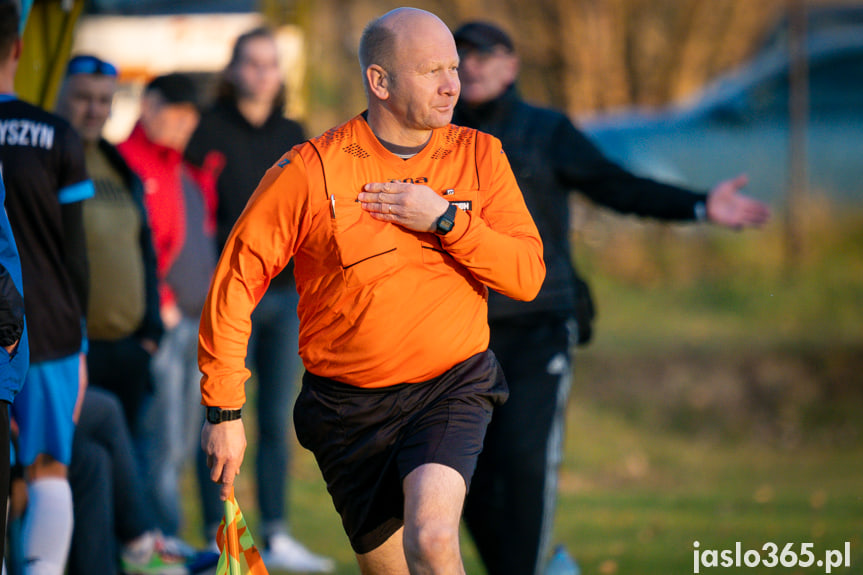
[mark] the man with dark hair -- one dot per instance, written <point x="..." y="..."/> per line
<point x="180" y="200"/>
<point x="247" y="128"/>
<point x="43" y="168"/>
<point x="397" y="221"/>
<point x="509" y="513"/>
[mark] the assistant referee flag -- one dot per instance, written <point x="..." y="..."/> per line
<point x="239" y="556"/>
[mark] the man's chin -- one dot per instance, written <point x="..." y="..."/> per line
<point x="441" y="119"/>
<point x="91" y="136"/>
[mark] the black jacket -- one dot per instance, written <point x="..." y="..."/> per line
<point x="11" y="310"/>
<point x="151" y="326"/>
<point x="550" y="158"/>
<point x="249" y="151"/>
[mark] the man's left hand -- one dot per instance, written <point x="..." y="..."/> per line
<point x="412" y="206"/>
<point x="727" y="206"/>
<point x="225" y="446"/>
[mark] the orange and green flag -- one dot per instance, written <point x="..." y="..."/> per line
<point x="239" y="556"/>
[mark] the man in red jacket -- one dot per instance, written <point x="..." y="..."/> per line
<point x="181" y="203"/>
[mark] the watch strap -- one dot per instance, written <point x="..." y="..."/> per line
<point x="446" y="222"/>
<point x="219" y="415"/>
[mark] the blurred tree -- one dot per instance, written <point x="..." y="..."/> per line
<point x="578" y="55"/>
<point x="582" y="56"/>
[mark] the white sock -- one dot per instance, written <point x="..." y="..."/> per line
<point x="47" y="529"/>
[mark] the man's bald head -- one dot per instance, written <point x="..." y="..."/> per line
<point x="410" y="74"/>
<point x="382" y="38"/>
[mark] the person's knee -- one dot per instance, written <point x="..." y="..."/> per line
<point x="432" y="540"/>
<point x="45" y="466"/>
<point x="91" y="463"/>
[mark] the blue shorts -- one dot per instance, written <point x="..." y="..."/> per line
<point x="43" y="410"/>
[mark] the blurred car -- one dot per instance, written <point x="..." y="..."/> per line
<point x="740" y="123"/>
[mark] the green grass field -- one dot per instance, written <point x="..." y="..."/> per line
<point x="720" y="403"/>
<point x="633" y="500"/>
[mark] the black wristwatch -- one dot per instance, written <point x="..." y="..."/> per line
<point x="218" y="415"/>
<point x="446" y="221"/>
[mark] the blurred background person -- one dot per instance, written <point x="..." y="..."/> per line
<point x="123" y="321"/>
<point x="13" y="340"/>
<point x="124" y="326"/>
<point x="509" y="510"/>
<point x="115" y="526"/>
<point x="180" y="201"/>
<point x="246" y="128"/>
<point x="46" y="182"/>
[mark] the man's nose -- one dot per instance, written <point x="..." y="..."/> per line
<point x="452" y="84"/>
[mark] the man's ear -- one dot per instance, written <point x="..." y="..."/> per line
<point x="17" y="47"/>
<point x="379" y="82"/>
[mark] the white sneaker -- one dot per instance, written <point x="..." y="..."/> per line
<point x="146" y="555"/>
<point x="285" y="552"/>
<point x="178" y="547"/>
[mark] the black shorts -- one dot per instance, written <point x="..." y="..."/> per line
<point x="366" y="441"/>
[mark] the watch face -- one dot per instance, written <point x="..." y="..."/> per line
<point x="446" y="222"/>
<point x="214" y="415"/>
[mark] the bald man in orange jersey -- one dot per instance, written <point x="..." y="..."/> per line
<point x="398" y="223"/>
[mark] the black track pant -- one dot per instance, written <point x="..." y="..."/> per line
<point x="510" y="506"/>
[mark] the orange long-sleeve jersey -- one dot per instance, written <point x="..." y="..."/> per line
<point x="379" y="304"/>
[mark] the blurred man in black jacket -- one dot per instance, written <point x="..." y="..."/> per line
<point x="510" y="507"/>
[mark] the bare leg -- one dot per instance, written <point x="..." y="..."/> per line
<point x="434" y="497"/>
<point x="429" y="542"/>
<point x="45" y="466"/>
<point x="388" y="559"/>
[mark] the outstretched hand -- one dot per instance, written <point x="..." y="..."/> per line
<point x="412" y="206"/>
<point x="727" y="206"/>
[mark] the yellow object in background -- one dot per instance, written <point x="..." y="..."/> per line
<point x="47" y="40"/>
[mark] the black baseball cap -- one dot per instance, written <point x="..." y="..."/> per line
<point x="481" y="36"/>
<point x="175" y="88"/>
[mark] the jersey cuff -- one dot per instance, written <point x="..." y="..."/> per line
<point x="76" y="192"/>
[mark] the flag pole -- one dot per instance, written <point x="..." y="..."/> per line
<point x="232" y="540"/>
